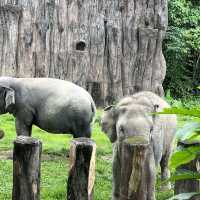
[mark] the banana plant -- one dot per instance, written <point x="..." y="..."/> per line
<point x="189" y="134"/>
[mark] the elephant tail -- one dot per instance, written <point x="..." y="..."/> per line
<point x="93" y="108"/>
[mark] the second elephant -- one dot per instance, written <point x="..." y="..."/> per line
<point x="132" y="116"/>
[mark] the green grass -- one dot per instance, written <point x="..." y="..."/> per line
<point x="55" y="163"/>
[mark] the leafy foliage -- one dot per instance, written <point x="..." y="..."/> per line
<point x="189" y="134"/>
<point x="182" y="47"/>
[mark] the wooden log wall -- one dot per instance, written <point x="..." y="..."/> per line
<point x="110" y="47"/>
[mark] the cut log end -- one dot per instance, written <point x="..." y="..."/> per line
<point x="27" y="140"/>
<point x="83" y="142"/>
<point x="141" y="140"/>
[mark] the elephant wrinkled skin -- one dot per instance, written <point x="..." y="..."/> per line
<point x="133" y="116"/>
<point x="53" y="105"/>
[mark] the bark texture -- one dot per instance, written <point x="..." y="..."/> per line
<point x="110" y="47"/>
<point x="26" y="168"/>
<point x="135" y="174"/>
<point x="184" y="186"/>
<point x="82" y="170"/>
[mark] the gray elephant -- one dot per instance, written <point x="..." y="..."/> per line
<point x="133" y="116"/>
<point x="53" y="105"/>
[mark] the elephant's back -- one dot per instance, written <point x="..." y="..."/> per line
<point x="49" y="84"/>
<point x="50" y="87"/>
<point x="150" y="98"/>
<point x="57" y="96"/>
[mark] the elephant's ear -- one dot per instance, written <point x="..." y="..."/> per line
<point x="9" y="98"/>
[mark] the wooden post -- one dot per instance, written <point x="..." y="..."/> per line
<point x="138" y="169"/>
<point x="82" y="169"/>
<point x="26" y="168"/>
<point x="184" y="186"/>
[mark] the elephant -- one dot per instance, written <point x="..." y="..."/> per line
<point x="135" y="115"/>
<point x="54" y="105"/>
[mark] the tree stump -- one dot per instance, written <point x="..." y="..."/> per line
<point x="184" y="186"/>
<point x="137" y="170"/>
<point x="82" y="169"/>
<point x="26" y="168"/>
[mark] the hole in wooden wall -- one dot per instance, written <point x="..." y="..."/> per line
<point x="80" y="46"/>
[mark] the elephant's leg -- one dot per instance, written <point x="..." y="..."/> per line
<point x="81" y="131"/>
<point x="116" y="173"/>
<point x="165" y="172"/>
<point x="22" y="128"/>
<point x="87" y="131"/>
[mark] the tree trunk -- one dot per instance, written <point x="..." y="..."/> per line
<point x="184" y="186"/>
<point x="113" y="46"/>
<point x="82" y="170"/>
<point x="26" y="168"/>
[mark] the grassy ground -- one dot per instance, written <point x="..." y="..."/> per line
<point x="55" y="164"/>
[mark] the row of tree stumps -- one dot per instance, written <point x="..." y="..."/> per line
<point x="27" y="162"/>
<point x="134" y="183"/>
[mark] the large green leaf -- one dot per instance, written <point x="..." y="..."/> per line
<point x="194" y="138"/>
<point x="188" y="131"/>
<point x="185" y="155"/>
<point x="184" y="175"/>
<point x="184" y="196"/>
<point x="182" y="111"/>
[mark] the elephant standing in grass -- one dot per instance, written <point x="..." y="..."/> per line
<point x="133" y="116"/>
<point x="53" y="105"/>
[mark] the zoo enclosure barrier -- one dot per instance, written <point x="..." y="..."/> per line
<point x="27" y="163"/>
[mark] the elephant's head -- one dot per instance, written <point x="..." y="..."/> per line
<point x="7" y="99"/>
<point x="127" y="120"/>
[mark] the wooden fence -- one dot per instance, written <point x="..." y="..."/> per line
<point x="27" y="162"/>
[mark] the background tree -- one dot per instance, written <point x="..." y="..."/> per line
<point x="182" y="47"/>
<point x="111" y="48"/>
